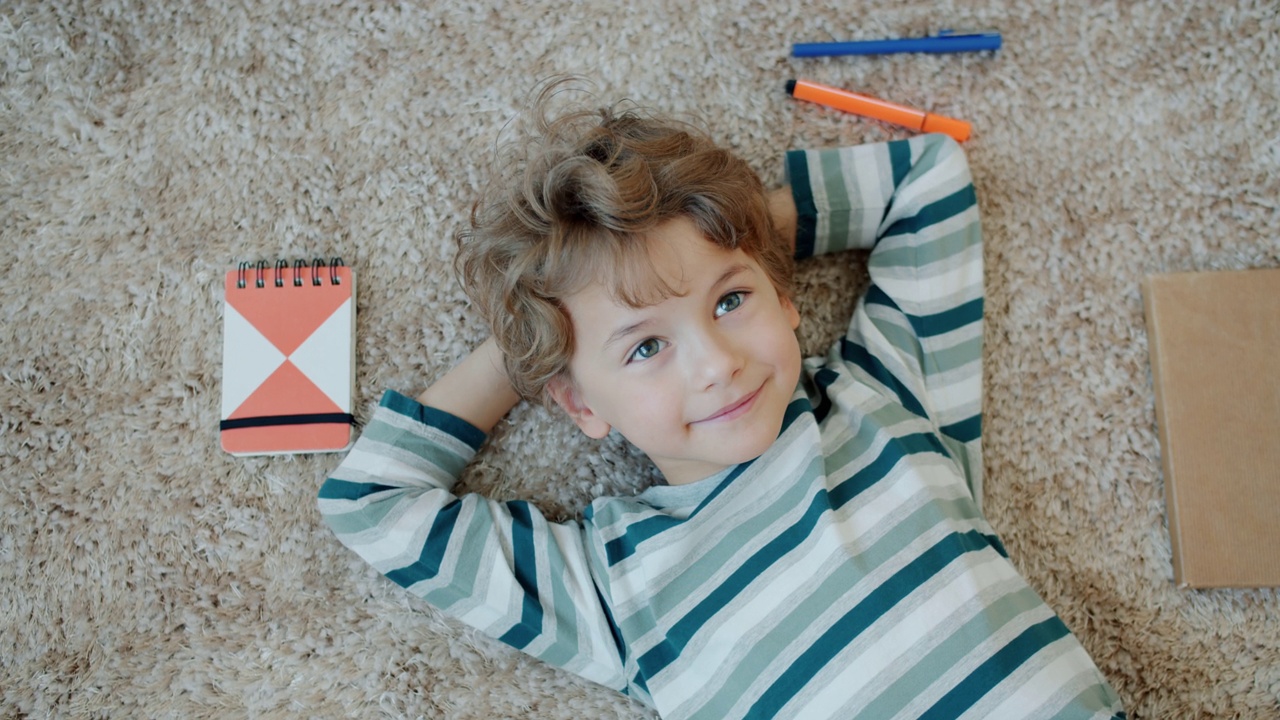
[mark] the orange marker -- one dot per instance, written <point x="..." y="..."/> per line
<point x="878" y="109"/>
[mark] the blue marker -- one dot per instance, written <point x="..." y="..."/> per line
<point x="946" y="41"/>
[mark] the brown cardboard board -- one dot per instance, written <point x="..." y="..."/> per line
<point x="1215" y="362"/>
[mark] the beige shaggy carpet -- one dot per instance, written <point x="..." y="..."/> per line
<point x="146" y="146"/>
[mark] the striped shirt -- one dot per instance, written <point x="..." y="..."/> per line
<point x="847" y="572"/>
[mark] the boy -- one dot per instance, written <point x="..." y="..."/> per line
<point x="818" y="549"/>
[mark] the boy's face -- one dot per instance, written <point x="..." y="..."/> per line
<point x="699" y="381"/>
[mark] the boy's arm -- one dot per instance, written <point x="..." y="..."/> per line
<point x="476" y="389"/>
<point x="500" y="567"/>
<point x="917" y="333"/>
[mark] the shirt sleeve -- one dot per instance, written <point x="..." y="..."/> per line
<point x="501" y="568"/>
<point x="917" y="332"/>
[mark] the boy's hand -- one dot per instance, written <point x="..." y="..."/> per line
<point x="782" y="208"/>
<point x="476" y="389"/>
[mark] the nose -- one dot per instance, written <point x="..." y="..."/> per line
<point x="714" y="358"/>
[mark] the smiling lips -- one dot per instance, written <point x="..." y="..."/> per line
<point x="733" y="410"/>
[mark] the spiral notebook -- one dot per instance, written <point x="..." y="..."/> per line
<point x="288" y="357"/>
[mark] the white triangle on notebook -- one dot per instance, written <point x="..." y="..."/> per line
<point x="325" y="357"/>
<point x="248" y="359"/>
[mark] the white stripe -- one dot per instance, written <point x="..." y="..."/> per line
<point x="902" y="639"/>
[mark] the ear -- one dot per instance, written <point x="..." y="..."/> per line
<point x="793" y="315"/>
<point x="565" y="393"/>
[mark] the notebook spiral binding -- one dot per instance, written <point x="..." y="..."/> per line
<point x="259" y="270"/>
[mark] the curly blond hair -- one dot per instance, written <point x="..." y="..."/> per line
<point x="573" y="202"/>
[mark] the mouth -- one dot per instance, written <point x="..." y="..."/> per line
<point x="735" y="409"/>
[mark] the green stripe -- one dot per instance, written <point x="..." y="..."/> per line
<point x="565" y="648"/>
<point x="933" y="250"/>
<point x="400" y="443"/>
<point x="996" y="668"/>
<point x="782" y="543"/>
<point x="951" y="651"/>
<point x="839" y="212"/>
<point x="349" y="523"/>
<point x="818" y="602"/>
<point x="853" y="623"/>
<point x="956" y="356"/>
<point x="447" y="422"/>
<point x="693" y="578"/>
<point x="475" y="538"/>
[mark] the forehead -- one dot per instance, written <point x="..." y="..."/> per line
<point x="677" y="251"/>
<point x="678" y="261"/>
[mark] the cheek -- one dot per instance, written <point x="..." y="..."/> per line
<point x="646" y="405"/>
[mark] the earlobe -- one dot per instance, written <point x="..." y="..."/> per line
<point x="566" y="395"/>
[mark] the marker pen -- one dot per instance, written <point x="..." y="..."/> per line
<point x="878" y="109"/>
<point x="946" y="41"/>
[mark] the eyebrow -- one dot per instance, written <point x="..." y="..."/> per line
<point x="624" y="331"/>
<point x="730" y="273"/>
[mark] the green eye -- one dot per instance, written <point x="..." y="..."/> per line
<point x="647" y="349"/>
<point x="729" y="303"/>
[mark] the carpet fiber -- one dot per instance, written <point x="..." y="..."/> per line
<point x="148" y="146"/>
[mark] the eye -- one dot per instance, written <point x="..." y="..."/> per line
<point x="646" y="349"/>
<point x="730" y="302"/>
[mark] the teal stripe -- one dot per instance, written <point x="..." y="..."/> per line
<point x="427" y="566"/>
<point x="857" y="620"/>
<point x="624" y="546"/>
<point x="806" y="209"/>
<point x="934" y="213"/>
<point x="662" y="655"/>
<point x="858" y="355"/>
<point x="899" y="161"/>
<point x="966" y="430"/>
<point x="525" y="566"/>
<point x="946" y="321"/>
<point x="786" y="541"/>
<point x="996" y="668"/>
<point x="818" y="602"/>
<point x="728" y="479"/>
<point x="893" y="453"/>
<point x="335" y="489"/>
<point x="475" y="537"/>
<point x="959" y="643"/>
<point x="720" y="555"/>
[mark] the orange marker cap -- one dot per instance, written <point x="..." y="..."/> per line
<point x="958" y="129"/>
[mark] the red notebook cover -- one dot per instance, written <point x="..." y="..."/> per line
<point x="288" y="358"/>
